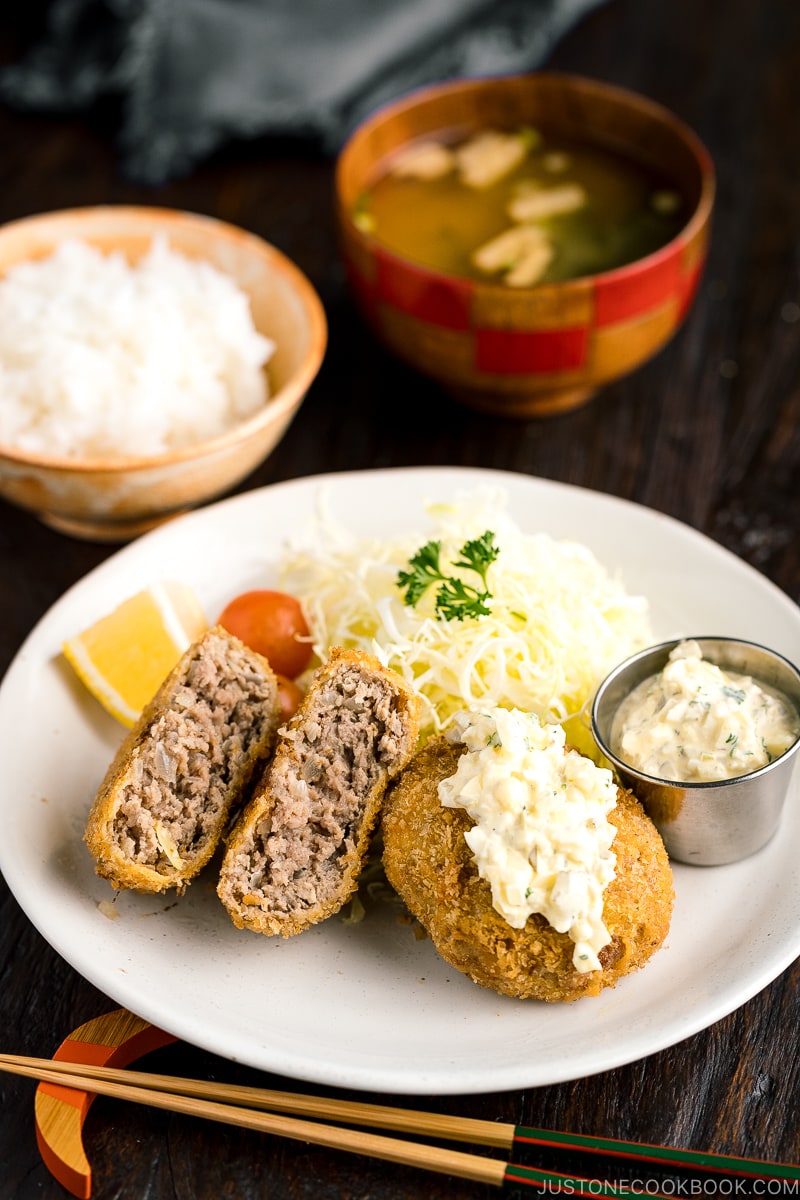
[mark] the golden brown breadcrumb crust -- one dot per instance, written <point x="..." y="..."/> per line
<point x="430" y="865"/>
<point x="249" y="839"/>
<point x="114" y="863"/>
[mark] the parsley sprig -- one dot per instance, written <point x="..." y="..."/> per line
<point x="455" y="599"/>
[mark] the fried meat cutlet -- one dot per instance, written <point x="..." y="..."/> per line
<point x="296" y="852"/>
<point x="430" y="865"/>
<point x="185" y="766"/>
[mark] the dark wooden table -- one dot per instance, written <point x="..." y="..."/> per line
<point x="708" y="432"/>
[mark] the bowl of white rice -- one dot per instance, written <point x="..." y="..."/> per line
<point x="149" y="361"/>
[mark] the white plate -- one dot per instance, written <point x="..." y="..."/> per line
<point x="368" y="1006"/>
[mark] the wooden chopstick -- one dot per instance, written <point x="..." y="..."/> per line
<point x="430" y="1158"/>
<point x="400" y="1120"/>
<point x="238" y="1099"/>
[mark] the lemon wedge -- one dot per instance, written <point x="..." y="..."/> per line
<point x="124" y="657"/>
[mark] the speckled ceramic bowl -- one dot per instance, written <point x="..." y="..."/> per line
<point x="527" y="351"/>
<point x="114" y="499"/>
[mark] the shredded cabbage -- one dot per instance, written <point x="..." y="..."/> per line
<point x="558" y="623"/>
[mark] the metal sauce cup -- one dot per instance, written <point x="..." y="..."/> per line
<point x="714" y="822"/>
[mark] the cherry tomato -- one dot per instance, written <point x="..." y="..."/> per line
<point x="289" y="696"/>
<point x="271" y="624"/>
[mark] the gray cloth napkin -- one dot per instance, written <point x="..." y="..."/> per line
<point x="193" y="74"/>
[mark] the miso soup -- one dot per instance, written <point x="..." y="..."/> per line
<point x="519" y="208"/>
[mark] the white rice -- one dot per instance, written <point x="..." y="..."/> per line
<point x="100" y="358"/>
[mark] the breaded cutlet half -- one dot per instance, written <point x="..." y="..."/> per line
<point x="187" y="764"/>
<point x="430" y="865"/>
<point x="295" y="854"/>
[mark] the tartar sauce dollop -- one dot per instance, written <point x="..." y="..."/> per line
<point x="541" y="837"/>
<point x="694" y="722"/>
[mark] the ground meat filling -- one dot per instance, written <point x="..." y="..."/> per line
<point x="343" y="750"/>
<point x="181" y="772"/>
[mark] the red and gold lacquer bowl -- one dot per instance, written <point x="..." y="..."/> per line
<point x="544" y="349"/>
